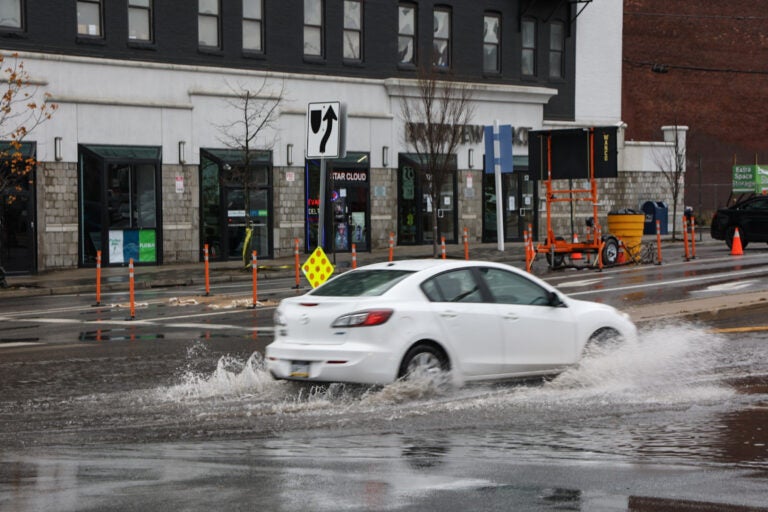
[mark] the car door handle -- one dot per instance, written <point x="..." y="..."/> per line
<point x="449" y="314"/>
<point x="511" y="317"/>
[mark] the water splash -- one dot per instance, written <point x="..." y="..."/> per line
<point x="670" y="365"/>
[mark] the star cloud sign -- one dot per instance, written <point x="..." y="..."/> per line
<point x="325" y="123"/>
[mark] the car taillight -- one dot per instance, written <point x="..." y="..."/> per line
<point x="363" y="318"/>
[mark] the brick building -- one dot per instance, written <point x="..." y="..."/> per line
<point x="702" y="64"/>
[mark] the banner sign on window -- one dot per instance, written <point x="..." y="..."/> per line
<point x="139" y="244"/>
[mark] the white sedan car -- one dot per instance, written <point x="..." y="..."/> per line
<point x="478" y="320"/>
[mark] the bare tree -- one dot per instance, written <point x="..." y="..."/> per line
<point x="433" y="116"/>
<point x="257" y="113"/>
<point x="22" y="109"/>
<point x="671" y="163"/>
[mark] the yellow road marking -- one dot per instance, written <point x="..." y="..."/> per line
<point x="757" y="328"/>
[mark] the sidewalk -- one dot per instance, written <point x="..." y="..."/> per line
<point x="83" y="280"/>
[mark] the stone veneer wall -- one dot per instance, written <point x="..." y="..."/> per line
<point x="383" y="184"/>
<point x="181" y="214"/>
<point x="288" y="218"/>
<point x="57" y="222"/>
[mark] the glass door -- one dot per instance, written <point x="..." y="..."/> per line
<point x="517" y="202"/>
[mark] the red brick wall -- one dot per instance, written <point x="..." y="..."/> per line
<point x="716" y="83"/>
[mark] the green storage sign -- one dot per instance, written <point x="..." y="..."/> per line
<point x="147" y="246"/>
<point x="750" y="178"/>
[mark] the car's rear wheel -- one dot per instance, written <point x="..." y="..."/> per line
<point x="423" y="360"/>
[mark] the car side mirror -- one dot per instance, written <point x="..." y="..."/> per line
<point x="554" y="301"/>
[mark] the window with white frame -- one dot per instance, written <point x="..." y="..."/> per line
<point x="313" y="28"/>
<point x="528" y="56"/>
<point x="556" y="49"/>
<point x="406" y="34"/>
<point x="10" y="13"/>
<point x="253" y="32"/>
<point x="441" y="40"/>
<point x="208" y="24"/>
<point x="140" y="20"/>
<point x="353" y="30"/>
<point x="89" y="18"/>
<point x="491" y="43"/>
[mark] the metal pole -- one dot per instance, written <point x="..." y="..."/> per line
<point x="321" y="212"/>
<point x="499" y="198"/>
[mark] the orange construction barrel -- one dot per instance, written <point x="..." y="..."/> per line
<point x="628" y="227"/>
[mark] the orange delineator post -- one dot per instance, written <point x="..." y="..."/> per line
<point x="685" y="237"/>
<point x="658" y="241"/>
<point x="207" y="271"/>
<point x="296" y="262"/>
<point x="98" y="278"/>
<point x="693" y="237"/>
<point x="255" y="266"/>
<point x="131" y="289"/>
<point x="526" y="246"/>
<point x="466" y="244"/>
<point x="391" y="246"/>
<point x="354" y="256"/>
<point x="442" y="247"/>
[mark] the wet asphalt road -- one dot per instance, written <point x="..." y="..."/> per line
<point x="179" y="414"/>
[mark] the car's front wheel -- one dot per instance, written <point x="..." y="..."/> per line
<point x="423" y="360"/>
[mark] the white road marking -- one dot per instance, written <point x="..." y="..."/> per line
<point x="725" y="287"/>
<point x="659" y="284"/>
<point x="577" y="284"/>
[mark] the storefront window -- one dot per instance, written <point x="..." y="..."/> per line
<point x="416" y="212"/>
<point x="225" y="213"/>
<point x="347" y="203"/>
<point x="119" y="204"/>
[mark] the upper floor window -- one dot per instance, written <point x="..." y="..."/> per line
<point x="556" y="49"/>
<point x="208" y="23"/>
<point x="89" y="18"/>
<point x="353" y="30"/>
<point x="441" y="41"/>
<point x="491" y="43"/>
<point x="406" y="34"/>
<point x="140" y="20"/>
<point x="528" y="57"/>
<point x="252" y="25"/>
<point x="10" y="13"/>
<point x="313" y="28"/>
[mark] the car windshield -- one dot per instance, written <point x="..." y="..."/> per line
<point x="362" y="283"/>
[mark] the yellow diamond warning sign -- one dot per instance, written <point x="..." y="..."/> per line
<point x="317" y="269"/>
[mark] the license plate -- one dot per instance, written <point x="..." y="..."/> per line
<point x="300" y="369"/>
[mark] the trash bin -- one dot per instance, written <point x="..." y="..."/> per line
<point x="655" y="210"/>
<point x="627" y="226"/>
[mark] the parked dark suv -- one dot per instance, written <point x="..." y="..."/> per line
<point x="749" y="215"/>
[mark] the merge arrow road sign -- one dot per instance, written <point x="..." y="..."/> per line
<point x="324" y="130"/>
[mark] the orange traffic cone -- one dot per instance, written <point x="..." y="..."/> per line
<point x="736" y="249"/>
<point x="576" y="255"/>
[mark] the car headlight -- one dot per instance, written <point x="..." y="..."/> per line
<point x="363" y="318"/>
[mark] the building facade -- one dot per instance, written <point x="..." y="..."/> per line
<point x="136" y="162"/>
<point x="700" y="64"/>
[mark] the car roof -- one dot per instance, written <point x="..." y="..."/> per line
<point x="417" y="265"/>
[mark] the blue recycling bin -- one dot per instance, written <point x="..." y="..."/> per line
<point x="655" y="210"/>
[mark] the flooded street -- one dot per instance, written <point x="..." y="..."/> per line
<point x="678" y="418"/>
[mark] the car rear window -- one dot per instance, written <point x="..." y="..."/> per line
<point x="362" y="283"/>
